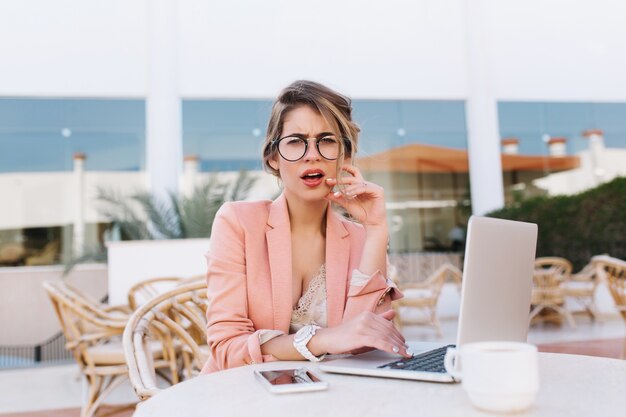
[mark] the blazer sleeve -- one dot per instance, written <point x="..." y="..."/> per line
<point x="370" y="293"/>
<point x="232" y="339"/>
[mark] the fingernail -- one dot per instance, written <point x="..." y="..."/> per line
<point x="409" y="352"/>
<point x="336" y="193"/>
<point x="330" y="179"/>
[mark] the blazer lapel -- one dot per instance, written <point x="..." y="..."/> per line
<point x="278" y="237"/>
<point x="337" y="263"/>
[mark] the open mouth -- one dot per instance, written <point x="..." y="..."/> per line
<point x="313" y="177"/>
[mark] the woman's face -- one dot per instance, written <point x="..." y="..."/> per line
<point x="305" y="178"/>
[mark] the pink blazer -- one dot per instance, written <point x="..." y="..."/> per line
<point x="249" y="279"/>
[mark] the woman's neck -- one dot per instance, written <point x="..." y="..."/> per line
<point x="307" y="217"/>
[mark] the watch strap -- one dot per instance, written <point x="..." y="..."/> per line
<point x="302" y="338"/>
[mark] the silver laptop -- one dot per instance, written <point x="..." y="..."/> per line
<point x="495" y="302"/>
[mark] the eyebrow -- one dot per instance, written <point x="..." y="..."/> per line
<point x="302" y="135"/>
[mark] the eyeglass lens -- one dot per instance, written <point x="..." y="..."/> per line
<point x="293" y="148"/>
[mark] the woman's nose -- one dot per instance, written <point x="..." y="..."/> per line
<point x="311" y="153"/>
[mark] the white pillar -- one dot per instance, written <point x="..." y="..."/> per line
<point x="596" y="150"/>
<point x="190" y="174"/>
<point x="482" y="115"/>
<point x="163" y="107"/>
<point x="78" y="234"/>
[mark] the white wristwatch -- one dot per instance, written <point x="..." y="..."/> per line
<point x="301" y="339"/>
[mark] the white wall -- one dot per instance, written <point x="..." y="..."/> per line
<point x="559" y="49"/>
<point x="131" y="262"/>
<point x="47" y="198"/>
<point x="542" y="49"/>
<point x="588" y="175"/>
<point x="365" y="48"/>
<point x="73" y="48"/>
<point x="26" y="313"/>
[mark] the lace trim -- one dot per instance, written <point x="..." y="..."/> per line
<point x="311" y="308"/>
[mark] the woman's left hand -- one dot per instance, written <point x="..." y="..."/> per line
<point x="363" y="200"/>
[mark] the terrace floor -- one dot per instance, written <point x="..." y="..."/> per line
<point x="56" y="391"/>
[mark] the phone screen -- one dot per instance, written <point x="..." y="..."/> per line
<point x="289" y="376"/>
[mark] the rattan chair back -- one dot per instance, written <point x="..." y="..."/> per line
<point x="150" y="288"/>
<point x="613" y="271"/>
<point x="548" y="293"/>
<point x="425" y="295"/>
<point x="93" y="335"/>
<point x="177" y="319"/>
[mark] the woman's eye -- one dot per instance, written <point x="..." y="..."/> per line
<point x="295" y="141"/>
<point x="328" y="140"/>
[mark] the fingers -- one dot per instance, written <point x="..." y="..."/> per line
<point x="367" y="330"/>
<point x="390" y="347"/>
<point x="354" y="171"/>
<point x="345" y="181"/>
<point x="386" y="327"/>
<point x="359" y="188"/>
<point x="353" y="188"/>
<point x="388" y="315"/>
<point x="385" y="334"/>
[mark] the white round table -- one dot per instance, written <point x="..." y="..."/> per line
<point x="571" y="385"/>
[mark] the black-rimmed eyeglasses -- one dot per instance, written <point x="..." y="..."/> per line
<point x="293" y="147"/>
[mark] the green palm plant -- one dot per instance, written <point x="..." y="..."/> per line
<point x="143" y="216"/>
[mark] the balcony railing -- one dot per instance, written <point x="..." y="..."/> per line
<point x="52" y="350"/>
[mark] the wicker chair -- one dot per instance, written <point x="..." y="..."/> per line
<point x="150" y="288"/>
<point x="93" y="334"/>
<point x="581" y="287"/>
<point x="548" y="294"/>
<point x="177" y="320"/>
<point x="425" y="295"/>
<point x="613" y="271"/>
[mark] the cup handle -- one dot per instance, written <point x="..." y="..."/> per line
<point x="450" y="363"/>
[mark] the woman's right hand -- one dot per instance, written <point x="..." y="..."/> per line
<point x="367" y="330"/>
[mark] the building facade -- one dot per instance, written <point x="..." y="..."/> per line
<point x="136" y="86"/>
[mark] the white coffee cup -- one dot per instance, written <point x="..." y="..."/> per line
<point x="497" y="376"/>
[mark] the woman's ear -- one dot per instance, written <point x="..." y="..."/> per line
<point x="273" y="163"/>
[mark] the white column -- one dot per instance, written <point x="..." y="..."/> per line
<point x="596" y="150"/>
<point x="482" y="115"/>
<point x="163" y="107"/>
<point x="191" y="167"/>
<point x="78" y="234"/>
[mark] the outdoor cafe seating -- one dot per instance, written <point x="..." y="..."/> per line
<point x="93" y="331"/>
<point x="424" y="296"/>
<point x="144" y="290"/>
<point x="581" y="287"/>
<point x="176" y="320"/>
<point x="548" y="293"/>
<point x="613" y="271"/>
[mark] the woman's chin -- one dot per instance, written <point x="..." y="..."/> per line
<point x="316" y="195"/>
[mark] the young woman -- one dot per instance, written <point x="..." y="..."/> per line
<point x="291" y="279"/>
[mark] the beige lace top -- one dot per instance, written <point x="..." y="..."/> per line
<point x="311" y="308"/>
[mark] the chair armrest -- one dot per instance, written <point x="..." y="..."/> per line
<point x="94" y="337"/>
<point x="118" y="309"/>
<point x="416" y="286"/>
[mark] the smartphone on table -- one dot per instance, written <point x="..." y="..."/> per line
<point x="283" y="381"/>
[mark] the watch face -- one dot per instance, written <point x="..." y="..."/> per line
<point x="303" y="334"/>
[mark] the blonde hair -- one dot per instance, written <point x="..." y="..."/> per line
<point x="335" y="108"/>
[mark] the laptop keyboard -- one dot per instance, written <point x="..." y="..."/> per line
<point x="430" y="361"/>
